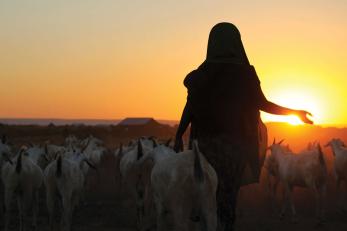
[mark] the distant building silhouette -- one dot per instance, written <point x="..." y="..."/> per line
<point x="138" y="126"/>
<point x="138" y="122"/>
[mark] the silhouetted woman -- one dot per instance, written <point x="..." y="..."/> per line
<point x="223" y="103"/>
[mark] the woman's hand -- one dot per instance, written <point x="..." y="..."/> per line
<point x="178" y="146"/>
<point x="303" y="116"/>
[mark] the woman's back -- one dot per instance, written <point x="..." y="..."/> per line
<point x="223" y="100"/>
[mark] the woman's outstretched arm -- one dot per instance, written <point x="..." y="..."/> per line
<point x="184" y="122"/>
<point x="273" y="108"/>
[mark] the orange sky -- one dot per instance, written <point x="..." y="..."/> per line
<point x="112" y="59"/>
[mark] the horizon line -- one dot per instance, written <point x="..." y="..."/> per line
<point x="119" y="119"/>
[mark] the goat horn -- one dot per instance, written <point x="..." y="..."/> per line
<point x="84" y="148"/>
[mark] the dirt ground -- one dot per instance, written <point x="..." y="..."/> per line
<point x="255" y="212"/>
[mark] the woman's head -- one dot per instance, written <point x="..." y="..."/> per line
<point x="225" y="45"/>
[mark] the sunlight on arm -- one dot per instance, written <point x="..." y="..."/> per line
<point x="290" y="119"/>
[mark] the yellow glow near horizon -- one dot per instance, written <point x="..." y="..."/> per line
<point x="294" y="120"/>
<point x="301" y="99"/>
<point x="306" y="88"/>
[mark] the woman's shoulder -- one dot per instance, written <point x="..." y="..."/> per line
<point x="253" y="74"/>
<point x="248" y="71"/>
<point x="194" y="78"/>
<point x="228" y="72"/>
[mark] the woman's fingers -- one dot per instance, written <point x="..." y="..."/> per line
<point x="309" y="113"/>
<point x="303" y="115"/>
<point x="305" y="118"/>
<point x="308" y="119"/>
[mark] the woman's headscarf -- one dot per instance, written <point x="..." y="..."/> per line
<point x="225" y="45"/>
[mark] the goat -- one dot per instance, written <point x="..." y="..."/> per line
<point x="143" y="186"/>
<point x="64" y="177"/>
<point x="22" y="178"/>
<point x="132" y="174"/>
<point x="340" y="166"/>
<point x="271" y="174"/>
<point x="305" y="170"/>
<point x="184" y="188"/>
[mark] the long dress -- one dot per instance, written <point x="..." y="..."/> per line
<point x="224" y="99"/>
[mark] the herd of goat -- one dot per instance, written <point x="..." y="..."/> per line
<point x="172" y="191"/>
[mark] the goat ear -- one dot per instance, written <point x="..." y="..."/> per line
<point x="84" y="148"/>
<point x="4" y="139"/>
<point x="90" y="164"/>
<point x="22" y="150"/>
<point x="56" y="155"/>
<point x="46" y="157"/>
<point x="46" y="148"/>
<point x="167" y="144"/>
<point x="7" y="158"/>
<point x="327" y="144"/>
<point x="195" y="146"/>
<point x="154" y="142"/>
<point x="274" y="142"/>
<point x="281" y="141"/>
<point x="120" y="152"/>
<point x="139" y="149"/>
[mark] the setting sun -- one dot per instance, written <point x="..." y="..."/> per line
<point x="296" y="100"/>
<point x="294" y="120"/>
<point x="295" y="91"/>
<point x="291" y="119"/>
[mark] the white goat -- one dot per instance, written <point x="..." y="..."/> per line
<point x="92" y="141"/>
<point x="94" y="151"/>
<point x="132" y="174"/>
<point x="305" y="170"/>
<point x="22" y="178"/>
<point x="143" y="186"/>
<point x="5" y="152"/>
<point x="40" y="155"/>
<point x="5" y="155"/>
<point x="184" y="187"/>
<point x="340" y="166"/>
<point x="118" y="154"/>
<point x="43" y="154"/>
<point x="52" y="149"/>
<point x="311" y="146"/>
<point x="64" y="177"/>
<point x="71" y="142"/>
<point x="271" y="175"/>
<point x="129" y="156"/>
